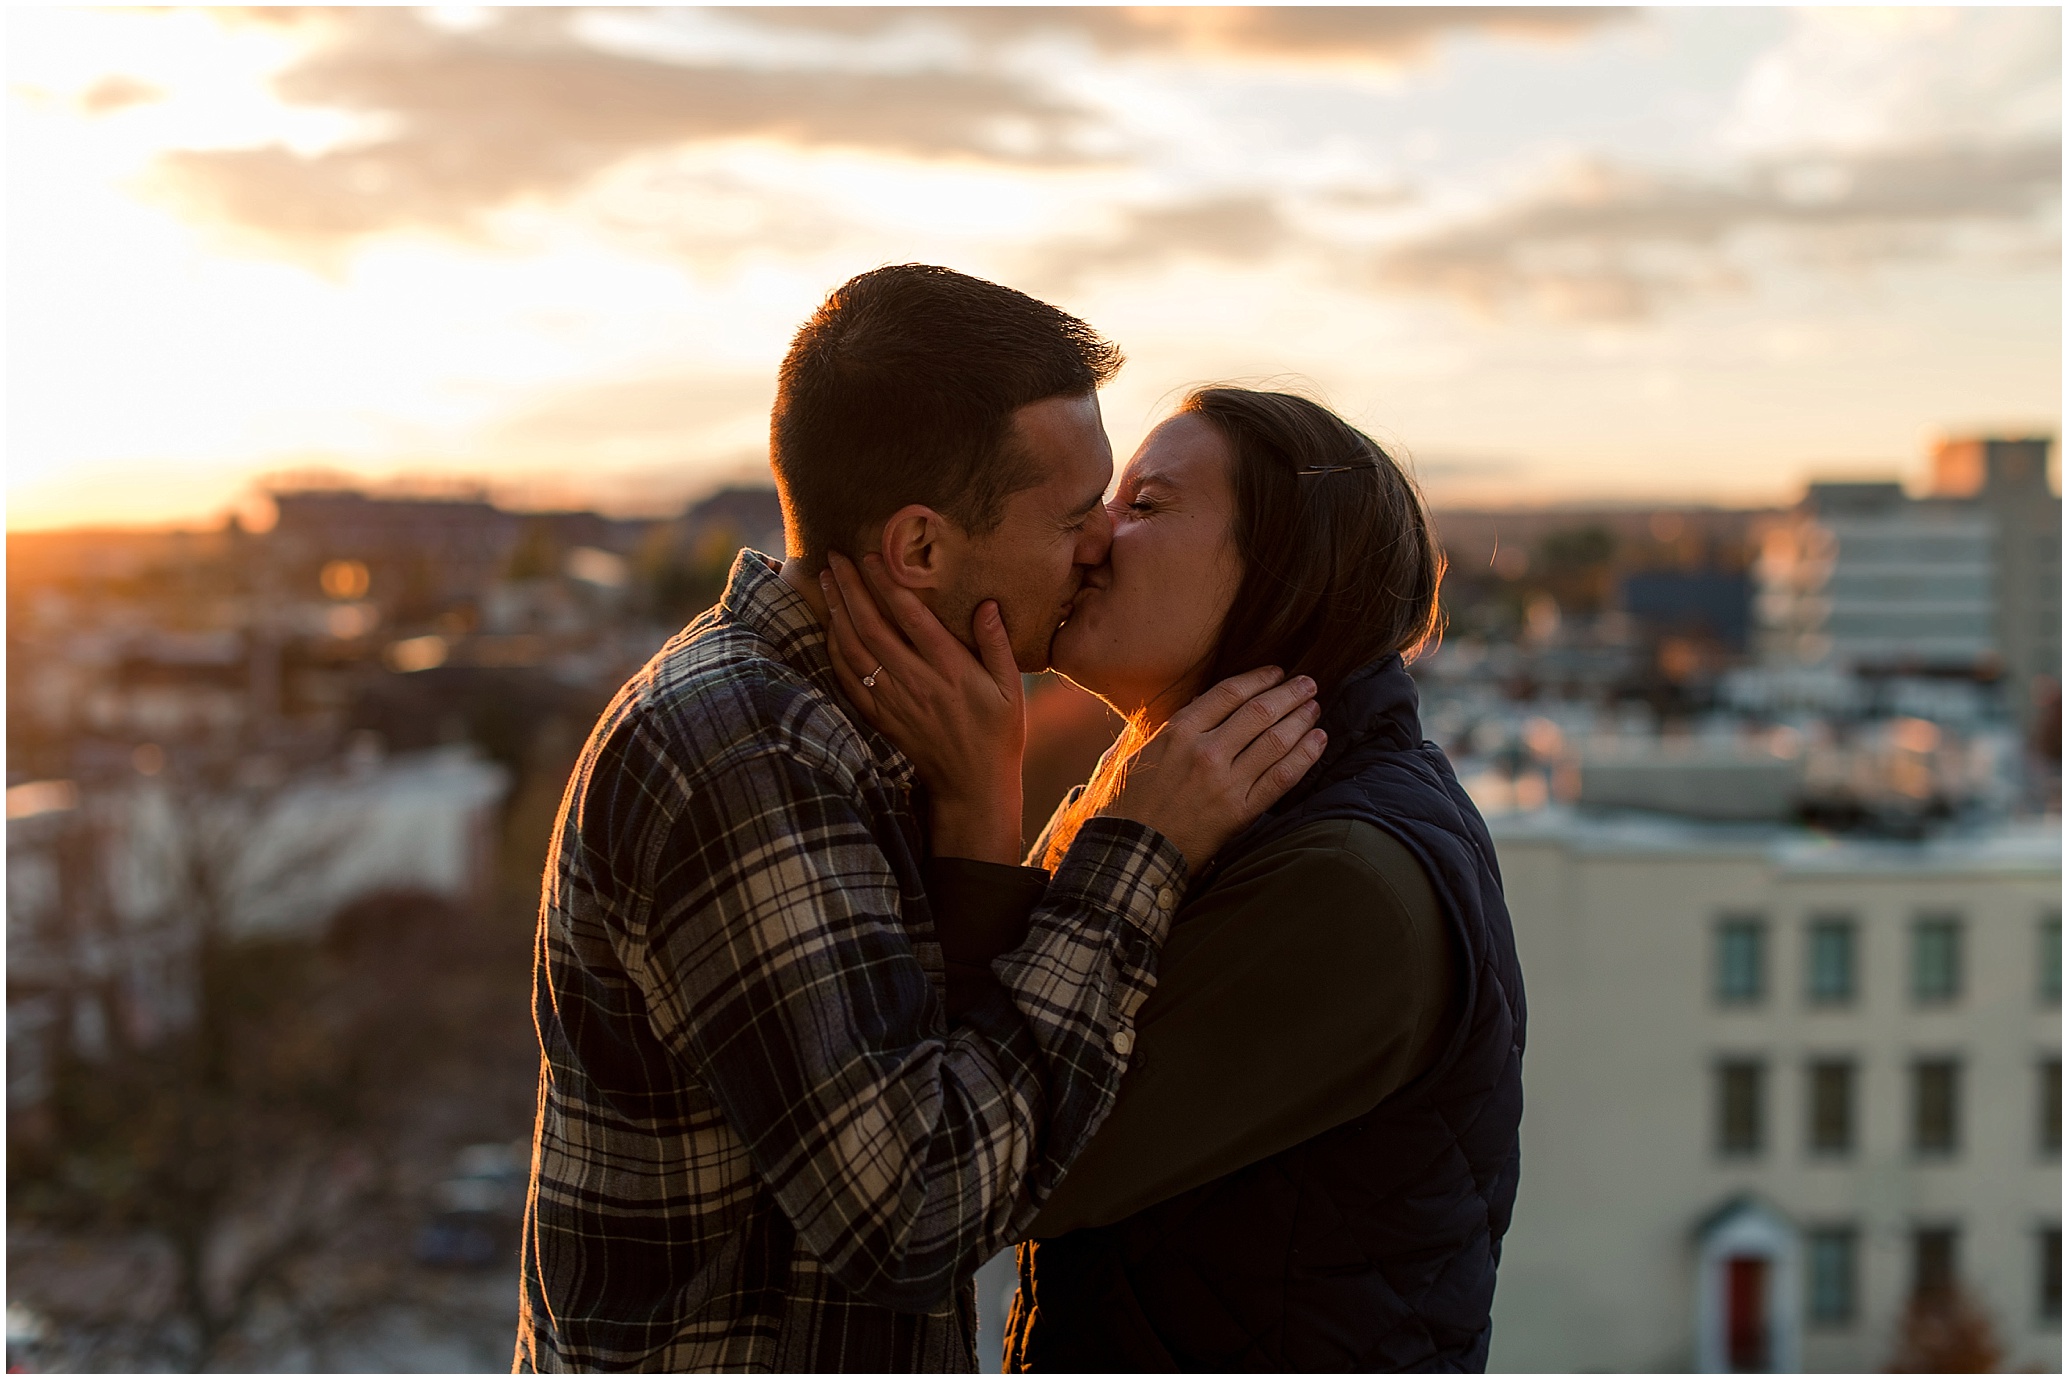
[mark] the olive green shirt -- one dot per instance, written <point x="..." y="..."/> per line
<point x="1311" y="980"/>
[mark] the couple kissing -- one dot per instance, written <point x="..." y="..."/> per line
<point x="1232" y="1052"/>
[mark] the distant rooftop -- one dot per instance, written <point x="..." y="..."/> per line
<point x="2030" y="846"/>
<point x="1854" y="496"/>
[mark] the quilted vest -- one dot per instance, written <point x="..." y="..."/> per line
<point x="1372" y="1246"/>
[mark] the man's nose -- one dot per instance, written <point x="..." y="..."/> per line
<point x="1096" y="539"/>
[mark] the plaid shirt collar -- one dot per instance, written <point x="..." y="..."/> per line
<point x="758" y="598"/>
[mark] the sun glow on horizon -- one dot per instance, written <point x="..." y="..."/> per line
<point x="243" y="246"/>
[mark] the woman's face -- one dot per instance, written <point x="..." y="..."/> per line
<point x="1145" y="621"/>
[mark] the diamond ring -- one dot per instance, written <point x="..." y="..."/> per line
<point x="870" y="679"/>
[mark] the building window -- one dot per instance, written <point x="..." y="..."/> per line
<point x="1740" y="1110"/>
<point x="1741" y="961"/>
<point x="2050" y="959"/>
<point x="1935" y="1106"/>
<point x="1833" y="1254"/>
<point x="2049" y="1106"/>
<point x="1935" y="959"/>
<point x="2048" y="1275"/>
<point x="1831" y="960"/>
<point x="1934" y="1260"/>
<point x="1831" y="1107"/>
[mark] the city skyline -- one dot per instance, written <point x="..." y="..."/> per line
<point x="1675" y="256"/>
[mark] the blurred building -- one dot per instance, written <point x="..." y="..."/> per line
<point x="1599" y="603"/>
<point x="1778" y="1083"/>
<point x="107" y="893"/>
<point x="439" y="550"/>
<point x="416" y="822"/>
<point x="1963" y="582"/>
<point x="1736" y="779"/>
<point x="329" y="754"/>
<point x="1514" y="541"/>
<point x="2008" y="479"/>
<point x="358" y="687"/>
<point x="44" y="886"/>
<point x="1708" y="604"/>
<point x="741" y="516"/>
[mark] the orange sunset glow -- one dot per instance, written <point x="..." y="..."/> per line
<point x="1554" y="255"/>
<point x="471" y="901"/>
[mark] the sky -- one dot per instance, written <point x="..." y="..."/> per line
<point x="1548" y="255"/>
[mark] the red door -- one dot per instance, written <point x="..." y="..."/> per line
<point x="1745" y="1312"/>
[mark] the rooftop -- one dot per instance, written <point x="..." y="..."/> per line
<point x="2012" y="847"/>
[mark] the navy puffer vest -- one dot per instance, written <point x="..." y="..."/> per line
<point x="1372" y="1246"/>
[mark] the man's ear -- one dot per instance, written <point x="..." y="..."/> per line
<point x="919" y="547"/>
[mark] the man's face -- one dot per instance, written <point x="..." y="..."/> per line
<point x="1035" y="559"/>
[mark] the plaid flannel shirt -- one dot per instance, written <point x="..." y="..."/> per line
<point x="760" y="1145"/>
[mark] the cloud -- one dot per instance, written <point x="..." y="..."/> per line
<point x="1384" y="33"/>
<point x="114" y="93"/>
<point x="1866" y="79"/>
<point x="678" y="417"/>
<point x="1236" y="228"/>
<point x="1862" y="137"/>
<point x="518" y="108"/>
<point x="1607" y="242"/>
<point x="518" y="105"/>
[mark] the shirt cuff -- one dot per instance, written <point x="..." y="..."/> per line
<point x="1126" y="866"/>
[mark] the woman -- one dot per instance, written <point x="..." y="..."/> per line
<point x="1314" y="1153"/>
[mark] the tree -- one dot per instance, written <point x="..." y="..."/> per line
<point x="683" y="573"/>
<point x="232" y="1115"/>
<point x="1946" y="1332"/>
<point x="537" y="555"/>
<point x="1576" y="565"/>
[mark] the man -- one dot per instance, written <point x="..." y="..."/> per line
<point x="761" y="1145"/>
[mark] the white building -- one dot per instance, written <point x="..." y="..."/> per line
<point x="101" y="906"/>
<point x="1864" y="576"/>
<point x="420" y="822"/>
<point x="1773" y="1082"/>
<point x="1966" y="579"/>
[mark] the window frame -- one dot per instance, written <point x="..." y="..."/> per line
<point x="1845" y="1236"/>
<point x="2046" y="1110"/>
<point x="1950" y="1233"/>
<point x="1845" y="926"/>
<point x="1849" y="1069"/>
<point x="1920" y="1066"/>
<point x="2046" y="1280"/>
<point x="1952" y="927"/>
<point x="1754" y="1068"/>
<point x="2048" y="941"/>
<point x="1752" y="927"/>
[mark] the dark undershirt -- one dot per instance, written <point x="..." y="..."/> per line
<point x="981" y="911"/>
<point x="1313" y="979"/>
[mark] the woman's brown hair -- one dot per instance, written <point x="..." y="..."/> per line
<point x="1340" y="564"/>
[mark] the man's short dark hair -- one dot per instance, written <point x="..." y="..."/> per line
<point x="901" y="389"/>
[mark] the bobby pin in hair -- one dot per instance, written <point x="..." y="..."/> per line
<point x="1331" y="469"/>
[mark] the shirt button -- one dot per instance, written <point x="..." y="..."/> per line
<point x="1123" y="1042"/>
<point x="1166" y="898"/>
